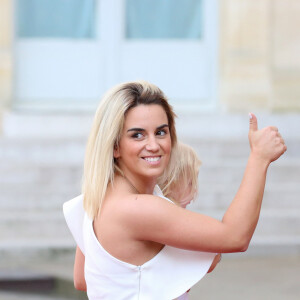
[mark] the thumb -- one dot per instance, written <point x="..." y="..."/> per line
<point x="253" y="122"/>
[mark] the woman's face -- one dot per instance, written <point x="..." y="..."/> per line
<point x="145" y="144"/>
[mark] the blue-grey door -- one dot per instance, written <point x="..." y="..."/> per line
<point x="71" y="51"/>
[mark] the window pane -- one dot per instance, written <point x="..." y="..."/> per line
<point x="56" y="18"/>
<point x="163" y="19"/>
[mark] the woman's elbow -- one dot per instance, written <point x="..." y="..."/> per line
<point x="238" y="245"/>
<point x="242" y="248"/>
<point x="242" y="245"/>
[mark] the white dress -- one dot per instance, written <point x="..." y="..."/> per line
<point x="166" y="276"/>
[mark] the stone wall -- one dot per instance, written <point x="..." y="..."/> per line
<point x="259" y="55"/>
<point x="285" y="56"/>
<point x="259" y="50"/>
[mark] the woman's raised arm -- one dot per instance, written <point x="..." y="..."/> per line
<point x="155" y="219"/>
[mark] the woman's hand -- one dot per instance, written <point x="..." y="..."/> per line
<point x="266" y="144"/>
<point x="79" y="280"/>
<point x="216" y="260"/>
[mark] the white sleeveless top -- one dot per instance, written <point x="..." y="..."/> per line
<point x="166" y="276"/>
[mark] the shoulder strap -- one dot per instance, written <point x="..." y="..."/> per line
<point x="158" y="192"/>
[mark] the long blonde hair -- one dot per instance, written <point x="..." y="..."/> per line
<point x="182" y="170"/>
<point x="99" y="163"/>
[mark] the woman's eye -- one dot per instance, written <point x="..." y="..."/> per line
<point x="137" y="135"/>
<point x="161" y="132"/>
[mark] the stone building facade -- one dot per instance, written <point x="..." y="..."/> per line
<point x="259" y="61"/>
<point x="259" y="65"/>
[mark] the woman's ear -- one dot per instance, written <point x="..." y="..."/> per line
<point x="116" y="151"/>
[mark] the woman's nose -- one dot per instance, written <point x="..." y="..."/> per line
<point x="152" y="144"/>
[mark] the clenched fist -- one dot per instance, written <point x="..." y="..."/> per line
<point x="267" y="143"/>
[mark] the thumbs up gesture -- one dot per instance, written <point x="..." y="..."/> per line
<point x="267" y="143"/>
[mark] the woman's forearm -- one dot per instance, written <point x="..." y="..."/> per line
<point x="243" y="213"/>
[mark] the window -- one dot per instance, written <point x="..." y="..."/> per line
<point x="164" y="19"/>
<point x="55" y="19"/>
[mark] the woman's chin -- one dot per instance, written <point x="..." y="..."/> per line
<point x="153" y="170"/>
<point x="151" y="174"/>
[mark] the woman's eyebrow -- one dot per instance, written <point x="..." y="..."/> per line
<point x="136" y="129"/>
<point x="142" y="129"/>
<point x="162" y="126"/>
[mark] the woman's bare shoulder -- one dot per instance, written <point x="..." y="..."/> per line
<point x="143" y="204"/>
<point x="135" y="209"/>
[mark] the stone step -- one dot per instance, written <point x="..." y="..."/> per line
<point x="233" y="149"/>
<point x="274" y="245"/>
<point x="36" y="199"/>
<point x="51" y="225"/>
<point x="211" y="196"/>
<point x="216" y="172"/>
<point x="71" y="150"/>
<point x="27" y="173"/>
<point x="20" y="225"/>
<point x="279" y="223"/>
<point x="26" y="186"/>
<point x="49" y="249"/>
<point x="18" y="124"/>
<point x="38" y="202"/>
<point x="219" y="196"/>
<point x="232" y="172"/>
<point x="42" y="151"/>
<point x="218" y="184"/>
<point x="37" y="244"/>
<point x="272" y="222"/>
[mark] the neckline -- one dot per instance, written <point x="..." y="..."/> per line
<point x="119" y="260"/>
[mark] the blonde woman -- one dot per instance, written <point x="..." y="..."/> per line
<point x="136" y="245"/>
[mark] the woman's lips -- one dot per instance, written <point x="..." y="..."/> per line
<point x="153" y="160"/>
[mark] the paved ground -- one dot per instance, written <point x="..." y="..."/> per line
<point x="238" y="276"/>
<point x="247" y="278"/>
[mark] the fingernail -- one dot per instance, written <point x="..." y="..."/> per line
<point x="250" y="116"/>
